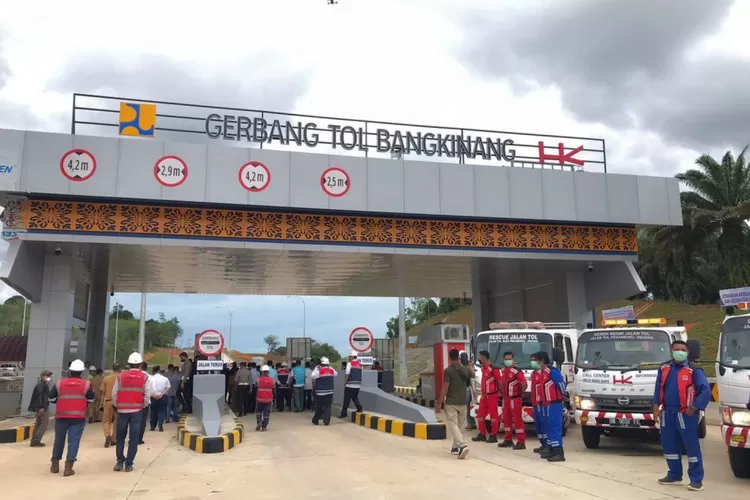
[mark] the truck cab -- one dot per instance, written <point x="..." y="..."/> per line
<point x="524" y="339"/>
<point x="733" y="380"/>
<point x="615" y="377"/>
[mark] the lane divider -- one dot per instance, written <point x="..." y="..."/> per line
<point x="202" y="444"/>
<point x="427" y="403"/>
<point x="16" y="434"/>
<point x="399" y="427"/>
<point x="405" y="390"/>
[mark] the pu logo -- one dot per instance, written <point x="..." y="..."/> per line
<point x="137" y="119"/>
<point x="622" y="380"/>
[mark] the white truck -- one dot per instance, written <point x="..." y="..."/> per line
<point x="523" y="339"/>
<point x="733" y="380"/>
<point x="615" y="377"/>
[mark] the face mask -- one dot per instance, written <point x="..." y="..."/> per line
<point x="679" y="356"/>
<point x="535" y="365"/>
<point x="508" y="362"/>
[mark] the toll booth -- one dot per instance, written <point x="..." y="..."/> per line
<point x="442" y="338"/>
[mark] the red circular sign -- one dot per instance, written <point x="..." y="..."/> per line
<point x="170" y="171"/>
<point x="335" y="182"/>
<point x="78" y="165"/>
<point x="254" y="176"/>
<point x="361" y="339"/>
<point x="210" y="343"/>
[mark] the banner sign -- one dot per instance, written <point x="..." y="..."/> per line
<point x="205" y="365"/>
<point x="626" y="312"/>
<point x="645" y="335"/>
<point x="513" y="338"/>
<point x="734" y="296"/>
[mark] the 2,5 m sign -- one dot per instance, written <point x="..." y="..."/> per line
<point x="335" y="182"/>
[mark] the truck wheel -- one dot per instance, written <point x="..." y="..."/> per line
<point x="702" y="428"/>
<point x="591" y="437"/>
<point x="739" y="460"/>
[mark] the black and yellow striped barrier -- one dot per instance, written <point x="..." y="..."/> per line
<point x="203" y="444"/>
<point x="399" y="427"/>
<point x="427" y="403"/>
<point x="405" y="390"/>
<point x="714" y="392"/>
<point x="16" y="434"/>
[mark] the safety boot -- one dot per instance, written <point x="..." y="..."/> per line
<point x="505" y="444"/>
<point x="54" y="466"/>
<point x="69" y="469"/>
<point x="558" y="455"/>
<point x="479" y="438"/>
<point x="546" y="452"/>
<point x="492" y="439"/>
<point x="519" y="446"/>
<point x="541" y="449"/>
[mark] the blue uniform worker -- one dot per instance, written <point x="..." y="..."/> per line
<point x="553" y="406"/>
<point x="536" y="404"/>
<point x="681" y="393"/>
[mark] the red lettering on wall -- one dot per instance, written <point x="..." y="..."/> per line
<point x="562" y="157"/>
<point x="622" y="380"/>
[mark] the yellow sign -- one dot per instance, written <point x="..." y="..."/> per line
<point x="715" y="392"/>
<point x="137" y="119"/>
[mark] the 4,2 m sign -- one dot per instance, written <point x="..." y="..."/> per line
<point x="254" y="176"/>
<point x="78" y="165"/>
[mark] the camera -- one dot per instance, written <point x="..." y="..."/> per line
<point x="591" y="267"/>
<point x="58" y="251"/>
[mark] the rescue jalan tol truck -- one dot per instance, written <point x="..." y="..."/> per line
<point x="524" y="339"/>
<point x="615" y="376"/>
<point x="733" y="379"/>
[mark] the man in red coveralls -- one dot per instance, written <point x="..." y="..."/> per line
<point x="514" y="385"/>
<point x="491" y="385"/>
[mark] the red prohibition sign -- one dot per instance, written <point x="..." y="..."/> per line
<point x="176" y="166"/>
<point x="357" y="347"/>
<point x="254" y="176"/>
<point x="83" y="161"/>
<point x="210" y="332"/>
<point x="335" y="182"/>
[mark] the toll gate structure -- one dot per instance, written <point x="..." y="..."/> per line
<point x="166" y="197"/>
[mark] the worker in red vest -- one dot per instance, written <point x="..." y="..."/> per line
<point x="72" y="396"/>
<point x="284" y="387"/>
<point x="488" y="404"/>
<point x="352" y="384"/>
<point x="130" y="395"/>
<point x="514" y="385"/>
<point x="323" y="377"/>
<point x="266" y="385"/>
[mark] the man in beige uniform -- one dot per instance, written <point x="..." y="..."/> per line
<point x="109" y="420"/>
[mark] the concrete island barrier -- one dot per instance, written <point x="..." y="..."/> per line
<point x="17" y="434"/>
<point x="399" y="427"/>
<point x="204" y="444"/>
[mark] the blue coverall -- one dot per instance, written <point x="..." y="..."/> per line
<point x="679" y="428"/>
<point x="539" y="424"/>
<point x="552" y="420"/>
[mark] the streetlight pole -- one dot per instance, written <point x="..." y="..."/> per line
<point x="304" y="315"/>
<point x="142" y="327"/>
<point x="23" y="324"/>
<point x="117" y="325"/>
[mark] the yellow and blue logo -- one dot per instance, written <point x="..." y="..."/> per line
<point x="137" y="119"/>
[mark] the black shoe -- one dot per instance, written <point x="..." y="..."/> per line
<point x="118" y="467"/>
<point x="152" y="429"/>
<point x="161" y="428"/>
<point x="492" y="439"/>
<point x="462" y="452"/>
<point x="454" y="450"/>
<point x="343" y="416"/>
<point x="128" y="468"/>
<point x="505" y="444"/>
<point x="519" y="446"/>
<point x="558" y="455"/>
<point x="257" y="427"/>
<point x="315" y="423"/>
<point x="668" y="480"/>
<point x="107" y="441"/>
<point x="546" y="453"/>
<point x="141" y="442"/>
<point x="695" y="486"/>
<point x="37" y="444"/>
<point x="263" y="429"/>
<point x="541" y="449"/>
<point x="479" y="438"/>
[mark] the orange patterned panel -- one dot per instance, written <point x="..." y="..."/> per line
<point x="40" y="215"/>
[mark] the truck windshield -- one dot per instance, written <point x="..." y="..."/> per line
<point x="735" y="342"/>
<point x="521" y="343"/>
<point x="622" y="349"/>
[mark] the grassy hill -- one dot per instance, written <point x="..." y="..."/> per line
<point x="702" y="321"/>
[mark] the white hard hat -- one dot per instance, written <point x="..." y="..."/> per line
<point x="353" y="354"/>
<point x="92" y="368"/>
<point x="135" y="359"/>
<point x="264" y="368"/>
<point x="285" y="364"/>
<point x="77" y="366"/>
<point x="324" y="361"/>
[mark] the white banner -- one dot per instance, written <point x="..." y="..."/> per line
<point x="734" y="296"/>
<point x="626" y="312"/>
<point x="205" y="365"/>
<point x="366" y="360"/>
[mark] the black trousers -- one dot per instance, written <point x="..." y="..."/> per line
<point x="284" y="398"/>
<point x="351" y="394"/>
<point x="187" y="395"/>
<point x="241" y="394"/>
<point x="250" y="401"/>
<point x="308" y="399"/>
<point x="144" y="420"/>
<point x="323" y="408"/>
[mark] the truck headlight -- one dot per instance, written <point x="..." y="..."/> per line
<point x="584" y="403"/>
<point x="736" y="416"/>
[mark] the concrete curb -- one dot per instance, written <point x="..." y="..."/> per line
<point x="405" y="390"/>
<point x="16" y="434"/>
<point x="427" y="403"/>
<point x="399" y="427"/>
<point x="202" y="444"/>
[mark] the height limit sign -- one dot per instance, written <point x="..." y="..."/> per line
<point x="170" y="171"/>
<point x="254" y="176"/>
<point x="361" y="339"/>
<point x="335" y="182"/>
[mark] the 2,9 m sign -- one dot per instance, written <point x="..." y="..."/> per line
<point x="78" y="165"/>
<point x="335" y="182"/>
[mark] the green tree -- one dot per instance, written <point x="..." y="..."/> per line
<point x="11" y="316"/>
<point x="272" y="342"/>
<point x="160" y="333"/>
<point x="318" y="350"/>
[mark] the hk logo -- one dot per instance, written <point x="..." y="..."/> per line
<point x="562" y="157"/>
<point x="622" y="380"/>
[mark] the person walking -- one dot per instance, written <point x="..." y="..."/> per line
<point x="536" y="404"/>
<point x="284" y="387"/>
<point x="352" y="384"/>
<point x="453" y="399"/>
<point x="323" y="377"/>
<point x="264" y="398"/>
<point x="130" y="394"/>
<point x="39" y="406"/>
<point x="250" y="406"/>
<point x="243" y="380"/>
<point x="308" y="386"/>
<point x="147" y="407"/>
<point x="97" y="375"/>
<point x="488" y="404"/>
<point x="109" y="415"/>
<point x="553" y="406"/>
<point x="173" y="375"/>
<point x="160" y="387"/>
<point x="681" y="392"/>
<point x="186" y="384"/>
<point x="298" y="388"/>
<point x="514" y="385"/>
<point x="72" y="396"/>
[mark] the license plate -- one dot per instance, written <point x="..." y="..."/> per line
<point x="623" y="422"/>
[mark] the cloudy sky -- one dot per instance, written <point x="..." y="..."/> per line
<point x="661" y="81"/>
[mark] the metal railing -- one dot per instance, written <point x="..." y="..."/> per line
<point x="176" y="120"/>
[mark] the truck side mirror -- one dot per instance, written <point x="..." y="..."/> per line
<point x="694" y="350"/>
<point x="558" y="356"/>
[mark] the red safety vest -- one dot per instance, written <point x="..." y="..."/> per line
<point x="265" y="389"/>
<point x="551" y="392"/>
<point x="512" y="382"/>
<point x="71" y="397"/>
<point x="131" y="388"/>
<point x="684" y="386"/>
<point x="536" y="388"/>
<point x="491" y="379"/>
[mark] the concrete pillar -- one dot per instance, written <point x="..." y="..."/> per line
<point x="51" y="322"/>
<point x="98" y="310"/>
